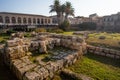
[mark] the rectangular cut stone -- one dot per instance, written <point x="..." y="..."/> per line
<point x="21" y="65"/>
<point x="26" y="60"/>
<point x="96" y="52"/>
<point x="102" y="53"/>
<point x="109" y="55"/>
<point x="11" y="43"/>
<point x="25" y="69"/>
<point x="31" y="76"/>
<point x="117" y="57"/>
<point x="16" y="62"/>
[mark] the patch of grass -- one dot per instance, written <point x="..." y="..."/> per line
<point x="98" y="67"/>
<point x="111" y="40"/>
<point x="68" y="33"/>
<point x="4" y="37"/>
<point x="27" y="34"/>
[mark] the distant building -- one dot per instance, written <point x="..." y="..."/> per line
<point x="110" y="22"/>
<point x="24" y="21"/>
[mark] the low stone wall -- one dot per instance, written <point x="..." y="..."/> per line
<point x="17" y="55"/>
<point x="104" y="52"/>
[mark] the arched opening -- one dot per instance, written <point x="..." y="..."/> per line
<point x="13" y="20"/>
<point x="29" y="20"/>
<point x="49" y="21"/>
<point x="7" y="20"/>
<point x="38" y="21"/>
<point x="1" y="19"/>
<point x="45" y="21"/>
<point x="24" y="20"/>
<point x="19" y="20"/>
<point x="34" y="20"/>
<point x="42" y="22"/>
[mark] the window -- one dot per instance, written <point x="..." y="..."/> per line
<point x="42" y="22"/>
<point x="38" y="21"/>
<point x="49" y="21"/>
<point x="1" y="19"/>
<point x="108" y="19"/>
<point x="13" y="20"/>
<point x="24" y="20"/>
<point x="46" y="21"/>
<point x="19" y="20"/>
<point x="7" y="20"/>
<point x="29" y="20"/>
<point x="34" y="20"/>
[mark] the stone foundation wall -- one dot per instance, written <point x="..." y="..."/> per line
<point x="104" y="52"/>
<point x="17" y="55"/>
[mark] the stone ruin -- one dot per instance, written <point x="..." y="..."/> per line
<point x="111" y="53"/>
<point x="18" y="51"/>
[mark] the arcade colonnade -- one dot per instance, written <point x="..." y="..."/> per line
<point x="18" y="20"/>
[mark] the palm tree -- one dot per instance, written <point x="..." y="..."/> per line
<point x="61" y="10"/>
<point x="56" y="7"/>
<point x="69" y="10"/>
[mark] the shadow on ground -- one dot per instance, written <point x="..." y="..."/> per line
<point x="5" y="73"/>
<point x="105" y="60"/>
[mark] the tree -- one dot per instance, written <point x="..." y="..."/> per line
<point x="62" y="11"/>
<point x="56" y="7"/>
<point x="69" y="10"/>
<point x="65" y="25"/>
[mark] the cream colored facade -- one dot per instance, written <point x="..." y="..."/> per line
<point x="19" y="19"/>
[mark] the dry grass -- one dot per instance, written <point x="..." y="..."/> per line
<point x="112" y="40"/>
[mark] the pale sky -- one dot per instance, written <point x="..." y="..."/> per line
<point x="82" y="7"/>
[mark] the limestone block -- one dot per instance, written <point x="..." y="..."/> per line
<point x="15" y="62"/>
<point x="19" y="41"/>
<point x="42" y="71"/>
<point x="41" y="37"/>
<point x="43" y="48"/>
<point x="21" y="65"/>
<point x="74" y="39"/>
<point x="117" y="53"/>
<point x="79" y="39"/>
<point x="109" y="55"/>
<point x="26" y="60"/>
<point x="102" y="53"/>
<point x="34" y="44"/>
<point x="97" y="52"/>
<point x="107" y="51"/>
<point x="57" y="42"/>
<point x="37" y="69"/>
<point x="112" y="52"/>
<point x="26" y="68"/>
<point x="11" y="43"/>
<point x="25" y="48"/>
<point x="60" y="64"/>
<point x="31" y="76"/>
<point x="117" y="57"/>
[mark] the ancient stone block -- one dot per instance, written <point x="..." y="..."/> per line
<point x="31" y="76"/>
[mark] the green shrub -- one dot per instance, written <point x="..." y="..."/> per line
<point x="40" y="30"/>
<point x="55" y="30"/>
<point x="65" y="25"/>
<point x="58" y="31"/>
<point x="10" y="31"/>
